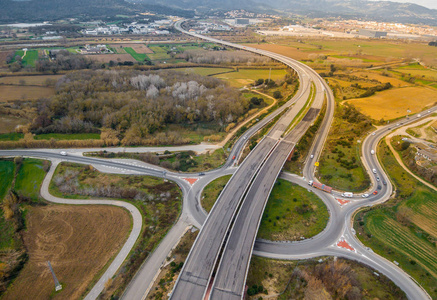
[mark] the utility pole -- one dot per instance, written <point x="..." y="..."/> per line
<point x="58" y="286"/>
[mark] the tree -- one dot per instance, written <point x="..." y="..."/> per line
<point x="277" y="94"/>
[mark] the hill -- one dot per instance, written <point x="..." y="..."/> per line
<point x="49" y="10"/>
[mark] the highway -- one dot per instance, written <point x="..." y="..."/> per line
<point x="262" y="166"/>
<point x="273" y="150"/>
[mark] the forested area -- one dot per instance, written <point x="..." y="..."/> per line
<point x="135" y="107"/>
<point x="201" y="56"/>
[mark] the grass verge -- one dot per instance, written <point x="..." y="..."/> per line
<point x="340" y="162"/>
<point x="212" y="191"/>
<point x="292" y="213"/>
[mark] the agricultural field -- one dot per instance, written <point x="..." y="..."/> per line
<point x="319" y="278"/>
<point x="138" y="48"/>
<point x="292" y="213"/>
<point x="40" y="80"/>
<point x="418" y="71"/>
<point x="66" y="235"/>
<point x="11" y="92"/>
<point x="135" y="55"/>
<point x="244" y="77"/>
<point x="159" y="53"/>
<point x="29" y="57"/>
<point x="394" y="103"/>
<point x="403" y="229"/>
<point x="106" y="58"/>
<point x="211" y="192"/>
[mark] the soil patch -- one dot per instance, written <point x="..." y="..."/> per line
<point x="78" y="241"/>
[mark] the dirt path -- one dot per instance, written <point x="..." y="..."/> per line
<point x="397" y="156"/>
<point x="232" y="133"/>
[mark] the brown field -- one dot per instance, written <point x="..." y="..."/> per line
<point x="394" y="103"/>
<point x="29" y="80"/>
<point x="383" y="79"/>
<point x="138" y="48"/>
<point x="3" y="55"/>
<point x="284" y="50"/>
<point x="106" y="58"/>
<point x="78" y="241"/>
<point x="10" y="92"/>
<point x="8" y="123"/>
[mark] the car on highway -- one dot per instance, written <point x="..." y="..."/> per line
<point x="374" y="171"/>
<point x="373" y="133"/>
<point x="372" y="151"/>
<point x="365" y="195"/>
<point x="379" y="187"/>
<point x="375" y="192"/>
<point x="312" y="156"/>
<point x="201" y="174"/>
<point x="63" y="153"/>
<point x="233" y="157"/>
<point x="384" y="182"/>
<point x="377" y="178"/>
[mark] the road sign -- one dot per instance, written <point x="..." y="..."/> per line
<point x="316" y="163"/>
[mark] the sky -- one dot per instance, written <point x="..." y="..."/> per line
<point x="426" y="3"/>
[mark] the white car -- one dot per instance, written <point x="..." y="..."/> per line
<point x="374" y="171"/>
<point x="63" y="153"/>
<point x="365" y="195"/>
<point x="373" y="133"/>
<point x="312" y="156"/>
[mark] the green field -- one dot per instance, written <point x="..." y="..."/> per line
<point x="212" y="191"/>
<point x="159" y="53"/>
<point x="291" y="213"/>
<point x="27" y="184"/>
<point x="7" y="169"/>
<point x="403" y="229"/>
<point x="13" y="136"/>
<point x="245" y="77"/>
<point x="30" y="58"/>
<point x="29" y="178"/>
<point x="68" y="136"/>
<point x="136" y="56"/>
<point x="418" y="70"/>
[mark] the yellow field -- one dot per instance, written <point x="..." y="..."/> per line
<point x="248" y="76"/>
<point x="383" y="79"/>
<point x="29" y="80"/>
<point x="394" y="103"/>
<point x="10" y="92"/>
<point x="427" y="73"/>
